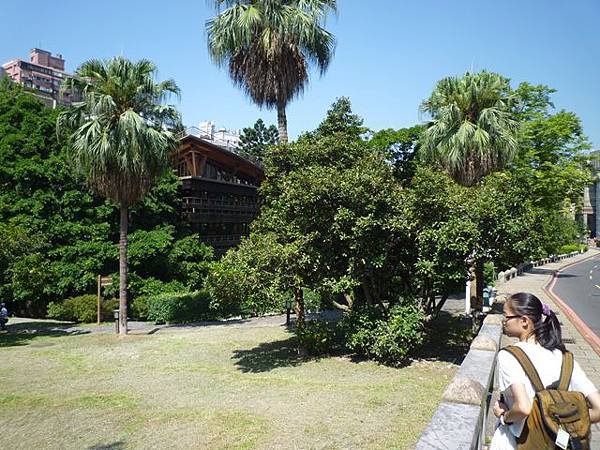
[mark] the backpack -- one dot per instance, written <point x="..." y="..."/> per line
<point x="553" y="407"/>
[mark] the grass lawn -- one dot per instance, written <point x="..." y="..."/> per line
<point x="206" y="387"/>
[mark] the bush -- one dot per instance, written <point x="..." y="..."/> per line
<point x="387" y="339"/>
<point x="149" y="287"/>
<point x="489" y="275"/>
<point x="570" y="248"/>
<point x="179" y="307"/>
<point x="139" y="307"/>
<point x="319" y="337"/>
<point x="238" y="287"/>
<point x="82" y="309"/>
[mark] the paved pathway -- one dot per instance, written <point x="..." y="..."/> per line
<point x="534" y="282"/>
<point x="32" y="326"/>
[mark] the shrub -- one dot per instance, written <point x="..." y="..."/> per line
<point x="179" y="307"/>
<point x="81" y="309"/>
<point x="319" y="337"/>
<point x="312" y="300"/>
<point x="489" y="275"/>
<point x="237" y="287"/>
<point x="387" y="339"/>
<point x="570" y="248"/>
<point x="139" y="307"/>
<point x="148" y="287"/>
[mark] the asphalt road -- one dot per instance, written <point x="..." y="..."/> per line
<point x="579" y="287"/>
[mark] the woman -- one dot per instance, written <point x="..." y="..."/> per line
<point x="538" y="330"/>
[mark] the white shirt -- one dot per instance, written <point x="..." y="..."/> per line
<point x="547" y="363"/>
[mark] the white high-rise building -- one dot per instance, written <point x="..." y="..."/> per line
<point x="223" y="137"/>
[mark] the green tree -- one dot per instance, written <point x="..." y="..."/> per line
<point x="341" y="119"/>
<point x="472" y="130"/>
<point x="254" y="141"/>
<point x="402" y="147"/>
<point x="269" y="45"/>
<point x="551" y="160"/>
<point x="119" y="137"/>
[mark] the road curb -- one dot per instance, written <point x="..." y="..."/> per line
<point x="585" y="331"/>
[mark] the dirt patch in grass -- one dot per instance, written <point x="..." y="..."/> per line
<point x="214" y="387"/>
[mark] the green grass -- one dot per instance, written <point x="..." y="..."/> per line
<point x="206" y="387"/>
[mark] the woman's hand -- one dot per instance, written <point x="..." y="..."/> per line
<point x="499" y="408"/>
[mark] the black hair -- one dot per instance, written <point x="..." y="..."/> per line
<point x="547" y="331"/>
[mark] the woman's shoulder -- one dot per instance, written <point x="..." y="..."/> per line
<point x="533" y="350"/>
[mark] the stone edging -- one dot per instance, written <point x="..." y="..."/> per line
<point x="458" y="420"/>
<point x="524" y="267"/>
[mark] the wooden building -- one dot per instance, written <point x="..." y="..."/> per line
<point x="219" y="192"/>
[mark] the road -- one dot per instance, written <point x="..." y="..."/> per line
<point x="579" y="287"/>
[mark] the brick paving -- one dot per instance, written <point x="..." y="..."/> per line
<point x="534" y="282"/>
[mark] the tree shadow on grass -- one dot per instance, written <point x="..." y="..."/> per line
<point x="447" y="338"/>
<point x="22" y="333"/>
<point x="270" y="355"/>
<point x="119" y="445"/>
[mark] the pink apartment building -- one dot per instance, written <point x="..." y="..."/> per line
<point x="42" y="75"/>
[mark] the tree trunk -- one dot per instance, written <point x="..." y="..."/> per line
<point x="282" y="122"/>
<point x="123" y="272"/>
<point x="300" y="319"/>
<point x="299" y="308"/>
<point x="477" y="286"/>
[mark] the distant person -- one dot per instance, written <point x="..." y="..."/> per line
<point x="3" y="316"/>
<point x="539" y="333"/>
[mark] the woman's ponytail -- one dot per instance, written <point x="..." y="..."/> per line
<point x="549" y="334"/>
<point x="546" y="324"/>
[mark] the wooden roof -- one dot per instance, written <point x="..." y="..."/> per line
<point x="223" y="157"/>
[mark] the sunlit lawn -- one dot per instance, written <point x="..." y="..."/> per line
<point x="206" y="387"/>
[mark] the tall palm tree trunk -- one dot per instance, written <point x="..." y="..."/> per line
<point x="282" y="122"/>
<point x="123" y="272"/>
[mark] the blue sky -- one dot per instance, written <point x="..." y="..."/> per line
<point x="389" y="54"/>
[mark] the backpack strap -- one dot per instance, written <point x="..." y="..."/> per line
<point x="527" y="366"/>
<point x="566" y="371"/>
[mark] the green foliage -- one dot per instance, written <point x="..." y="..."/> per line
<point x="139" y="307"/>
<point x="349" y="241"/>
<point x="189" y="261"/>
<point x="387" y="339"/>
<point x="472" y="130"/>
<point x="58" y="236"/>
<point x="119" y="135"/>
<point x="176" y="307"/>
<point x="143" y="288"/>
<point x="254" y="141"/>
<point x="320" y="337"/>
<point x="550" y="164"/>
<point x="341" y="120"/>
<point x="401" y="146"/>
<point x="570" y="248"/>
<point x="489" y="274"/>
<point x="249" y="280"/>
<point x="269" y="47"/>
<point x="83" y="308"/>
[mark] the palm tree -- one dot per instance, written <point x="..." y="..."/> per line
<point x="119" y="138"/>
<point x="472" y="132"/>
<point x="268" y="46"/>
